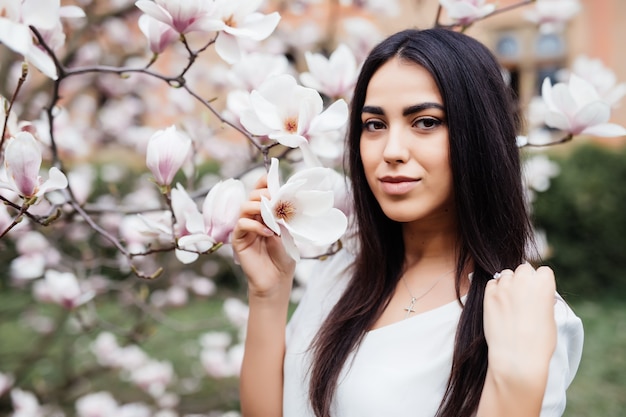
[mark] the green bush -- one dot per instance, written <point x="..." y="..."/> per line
<point x="584" y="216"/>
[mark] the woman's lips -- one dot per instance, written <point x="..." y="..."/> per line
<point x="398" y="185"/>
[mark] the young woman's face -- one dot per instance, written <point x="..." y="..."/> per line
<point x="404" y="144"/>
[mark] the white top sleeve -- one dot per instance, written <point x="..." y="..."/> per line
<point x="565" y="359"/>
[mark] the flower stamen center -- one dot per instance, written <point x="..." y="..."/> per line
<point x="284" y="210"/>
<point x="291" y="125"/>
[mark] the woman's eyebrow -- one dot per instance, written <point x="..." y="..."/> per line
<point x="373" y="110"/>
<point x="421" y="107"/>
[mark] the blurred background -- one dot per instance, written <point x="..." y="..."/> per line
<point x="183" y="329"/>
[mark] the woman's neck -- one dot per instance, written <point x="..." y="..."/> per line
<point x="430" y="243"/>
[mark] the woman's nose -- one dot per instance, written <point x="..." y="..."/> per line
<point x="395" y="151"/>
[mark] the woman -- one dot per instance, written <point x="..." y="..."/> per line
<point x="413" y="323"/>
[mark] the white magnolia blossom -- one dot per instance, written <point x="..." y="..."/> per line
<point x="290" y="113"/>
<point x="600" y="76"/>
<point x="134" y="410"/>
<point x="189" y="228"/>
<point x="25" y="404"/>
<point x="577" y="108"/>
<point x="302" y="209"/>
<point x="464" y="12"/>
<point x="254" y="68"/>
<point x="97" y="404"/>
<point x="222" y="363"/>
<point x="199" y="232"/>
<point x="551" y="15"/>
<point x="241" y="20"/>
<point x="35" y="253"/>
<point x="166" y="152"/>
<point x="22" y="160"/>
<point x="62" y="288"/>
<point x="44" y="15"/>
<point x="153" y="377"/>
<point x="183" y="16"/>
<point x="334" y="76"/>
<point x="538" y="171"/>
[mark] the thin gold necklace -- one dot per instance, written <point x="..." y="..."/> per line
<point x="414" y="299"/>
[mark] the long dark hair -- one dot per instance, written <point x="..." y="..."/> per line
<point x="493" y="223"/>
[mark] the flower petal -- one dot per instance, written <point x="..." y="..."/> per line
<point x="592" y="114"/>
<point x="319" y="230"/>
<point x="557" y="120"/>
<point x="268" y="216"/>
<point x="289" y="244"/>
<point x="186" y="257"/>
<point x="582" y="90"/>
<point x="606" y="130"/>
<point x="56" y="181"/>
<point x="227" y="47"/>
<point x="15" y="36"/>
<point x="42" y="61"/>
<point x="334" y="117"/>
<point x="315" y="202"/>
<point x="273" y="177"/>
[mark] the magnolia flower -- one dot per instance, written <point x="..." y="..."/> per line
<point x="189" y="229"/>
<point x="35" y="252"/>
<point x="577" y="108"/>
<point x="240" y="20"/>
<point x="538" y="171"/>
<point x="166" y="152"/>
<point x="61" y="288"/>
<point x="97" y="404"/>
<point x="221" y="208"/>
<point x="153" y="377"/>
<point x="254" y="68"/>
<point x="302" y="209"/>
<point x="290" y="113"/>
<point x="25" y="404"/>
<point x="134" y="410"/>
<point x="17" y="15"/>
<point x="551" y="15"/>
<point x="183" y="16"/>
<point x="464" y="12"/>
<point x="159" y="34"/>
<point x="334" y="76"/>
<point x="22" y="159"/>
<point x="601" y="77"/>
<point x="222" y="363"/>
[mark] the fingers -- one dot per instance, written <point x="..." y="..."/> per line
<point x="525" y="274"/>
<point x="247" y="225"/>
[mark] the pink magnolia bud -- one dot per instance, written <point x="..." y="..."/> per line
<point x="166" y="153"/>
<point x="22" y="162"/>
<point x="221" y="208"/>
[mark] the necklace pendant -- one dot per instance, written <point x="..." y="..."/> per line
<point x="409" y="309"/>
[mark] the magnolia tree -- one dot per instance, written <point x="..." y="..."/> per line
<point x="132" y="133"/>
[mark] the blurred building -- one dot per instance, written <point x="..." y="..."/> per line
<point x="598" y="32"/>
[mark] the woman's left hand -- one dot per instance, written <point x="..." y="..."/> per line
<point x="520" y="330"/>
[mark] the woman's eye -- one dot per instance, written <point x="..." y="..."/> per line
<point x="373" y="125"/>
<point x="427" y="123"/>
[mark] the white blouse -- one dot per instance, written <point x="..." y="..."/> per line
<point x="400" y="369"/>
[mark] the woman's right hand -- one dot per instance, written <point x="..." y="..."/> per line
<point x="260" y="251"/>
